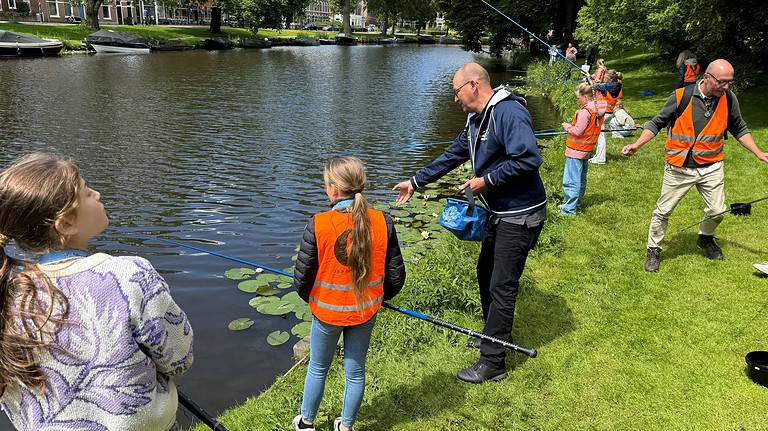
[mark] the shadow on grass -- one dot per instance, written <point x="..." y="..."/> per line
<point x="433" y="394"/>
<point x="596" y="199"/>
<point x="540" y="318"/>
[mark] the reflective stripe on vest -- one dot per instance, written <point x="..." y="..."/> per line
<point x="705" y="148"/>
<point x="333" y="299"/>
<point x="691" y="73"/>
<point x="588" y="138"/>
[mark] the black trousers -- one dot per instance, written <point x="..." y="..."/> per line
<point x="499" y="268"/>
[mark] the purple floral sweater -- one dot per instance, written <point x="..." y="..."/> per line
<point x="125" y="339"/>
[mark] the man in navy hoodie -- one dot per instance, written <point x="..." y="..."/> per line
<point x="498" y="138"/>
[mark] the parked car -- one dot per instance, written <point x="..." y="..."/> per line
<point x="310" y="27"/>
<point x="330" y="28"/>
<point x="372" y="27"/>
<point x="73" y="19"/>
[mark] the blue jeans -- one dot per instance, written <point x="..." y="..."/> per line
<point x="322" y="346"/>
<point x="574" y="184"/>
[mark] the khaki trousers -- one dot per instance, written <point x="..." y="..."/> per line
<point x="709" y="182"/>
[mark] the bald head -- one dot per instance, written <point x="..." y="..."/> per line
<point x="720" y="67"/>
<point x="473" y="72"/>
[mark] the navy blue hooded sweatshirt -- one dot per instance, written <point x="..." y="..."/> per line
<point x="506" y="156"/>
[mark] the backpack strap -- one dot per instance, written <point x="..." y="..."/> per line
<point x="683" y="105"/>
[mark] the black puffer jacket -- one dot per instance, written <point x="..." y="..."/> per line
<point x="305" y="271"/>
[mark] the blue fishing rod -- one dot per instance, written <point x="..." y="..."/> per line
<point x="530" y="352"/>
<point x="587" y="75"/>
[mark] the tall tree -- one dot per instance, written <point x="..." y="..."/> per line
<point x="712" y="28"/>
<point x="419" y="11"/>
<point x="473" y="19"/>
<point x="92" y="13"/>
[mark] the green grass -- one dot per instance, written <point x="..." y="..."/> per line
<point x="619" y="349"/>
<point x="72" y="35"/>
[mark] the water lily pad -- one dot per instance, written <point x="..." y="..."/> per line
<point x="277" y="338"/>
<point x="249" y="286"/>
<point x="255" y="302"/>
<point x="292" y="298"/>
<point x="275" y="308"/>
<point x="303" y="313"/>
<point x="238" y="273"/>
<point x="240" y="324"/>
<point x="284" y="285"/>
<point x="302" y="329"/>
<point x="267" y="290"/>
<point x="270" y="278"/>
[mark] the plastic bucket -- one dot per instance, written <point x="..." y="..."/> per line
<point x="757" y="367"/>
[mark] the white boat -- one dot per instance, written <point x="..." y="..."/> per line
<point x="117" y="42"/>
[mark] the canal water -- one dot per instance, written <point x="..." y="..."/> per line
<point x="224" y="150"/>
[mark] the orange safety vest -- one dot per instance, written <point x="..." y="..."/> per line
<point x="332" y="299"/>
<point x="707" y="147"/>
<point x="691" y="73"/>
<point x="588" y="138"/>
<point x="612" y="100"/>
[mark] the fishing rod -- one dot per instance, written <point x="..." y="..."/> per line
<point x="198" y="411"/>
<point x="530" y="352"/>
<point x="545" y="134"/>
<point x="587" y="75"/>
<point x="736" y="208"/>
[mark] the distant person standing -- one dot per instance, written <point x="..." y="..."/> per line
<point x="599" y="75"/>
<point x="688" y="72"/>
<point x="696" y="118"/>
<point x="554" y="52"/>
<point x="570" y="59"/>
<point x="591" y="55"/>
<point x="611" y="91"/>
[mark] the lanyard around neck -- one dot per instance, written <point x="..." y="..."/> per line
<point x="58" y="256"/>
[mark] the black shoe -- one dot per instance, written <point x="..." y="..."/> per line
<point x="711" y="249"/>
<point x="474" y="343"/>
<point x="481" y="372"/>
<point x="653" y="260"/>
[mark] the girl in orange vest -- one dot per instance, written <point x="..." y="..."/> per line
<point x="608" y="92"/>
<point x="580" y="141"/>
<point x="349" y="262"/>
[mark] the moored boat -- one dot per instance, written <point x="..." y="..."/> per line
<point x="117" y="42"/>
<point x="256" y="43"/>
<point x="391" y="41"/>
<point x="217" y="43"/>
<point x="425" y="40"/>
<point x="325" y="41"/>
<point x="306" y="41"/>
<point x="344" y="39"/>
<point x="448" y="40"/>
<point x="26" y="45"/>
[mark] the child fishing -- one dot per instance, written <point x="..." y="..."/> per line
<point x="349" y="262"/>
<point x="87" y="341"/>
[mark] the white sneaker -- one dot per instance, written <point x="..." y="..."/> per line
<point x="337" y="425"/>
<point x="295" y="424"/>
<point x="762" y="267"/>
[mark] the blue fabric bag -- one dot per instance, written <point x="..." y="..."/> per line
<point x="465" y="219"/>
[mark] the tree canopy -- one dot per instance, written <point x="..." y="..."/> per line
<point x="737" y="30"/>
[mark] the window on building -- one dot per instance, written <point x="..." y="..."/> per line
<point x="11" y="4"/>
<point x="67" y="9"/>
<point x="106" y="11"/>
<point x="53" y="8"/>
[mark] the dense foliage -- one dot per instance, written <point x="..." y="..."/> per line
<point x="737" y="30"/>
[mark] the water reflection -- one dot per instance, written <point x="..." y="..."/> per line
<point x="225" y="150"/>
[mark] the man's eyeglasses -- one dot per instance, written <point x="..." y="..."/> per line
<point x="720" y="82"/>
<point x="456" y="91"/>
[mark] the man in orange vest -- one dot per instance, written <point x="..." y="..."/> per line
<point x="697" y="118"/>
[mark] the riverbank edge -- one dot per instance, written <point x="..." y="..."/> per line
<point x="581" y="297"/>
<point x="72" y="35"/>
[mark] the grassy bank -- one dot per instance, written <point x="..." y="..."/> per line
<point x="619" y="349"/>
<point x="72" y="35"/>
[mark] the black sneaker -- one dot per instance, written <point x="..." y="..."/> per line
<point x="481" y="372"/>
<point x="653" y="260"/>
<point x="711" y="249"/>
